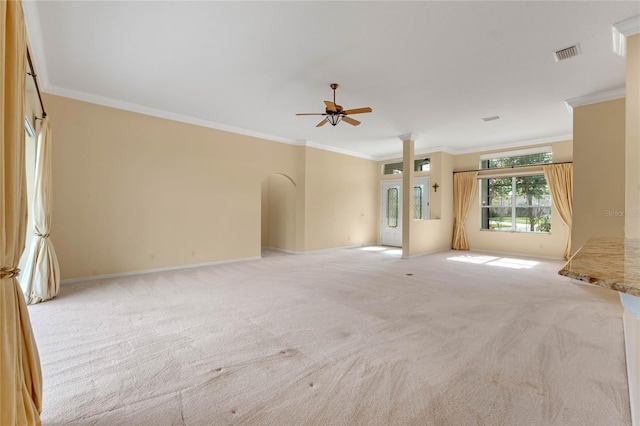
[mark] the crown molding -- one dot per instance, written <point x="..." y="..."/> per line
<point x="621" y="31"/>
<point x="440" y="148"/>
<point x="417" y="153"/>
<point x="628" y="27"/>
<point x="594" y="98"/>
<point x="113" y="103"/>
<point x="484" y="148"/>
<point x="518" y="144"/>
<point x="338" y="150"/>
<point x="407" y="137"/>
<point x="117" y="104"/>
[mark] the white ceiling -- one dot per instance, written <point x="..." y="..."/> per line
<point x="429" y="68"/>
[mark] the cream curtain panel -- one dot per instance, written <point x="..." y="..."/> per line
<point x="560" y="180"/>
<point x="464" y="189"/>
<point x="20" y="374"/>
<point x="41" y="278"/>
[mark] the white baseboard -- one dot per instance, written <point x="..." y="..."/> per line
<point x="150" y="271"/>
<point x="197" y="265"/>
<point x="338" y="248"/>
<point x="426" y="253"/>
<point x="282" y="250"/>
<point x="320" y="250"/>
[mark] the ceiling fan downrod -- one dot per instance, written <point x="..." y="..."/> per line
<point x="334" y="86"/>
<point x="334" y="117"/>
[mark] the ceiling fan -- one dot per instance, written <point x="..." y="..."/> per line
<point x="334" y="113"/>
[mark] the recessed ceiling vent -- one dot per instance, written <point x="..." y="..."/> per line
<point x="567" y="52"/>
<point x="492" y="118"/>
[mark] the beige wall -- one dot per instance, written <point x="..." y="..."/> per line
<point x="632" y="198"/>
<point x="264" y="209"/>
<point x="341" y="200"/>
<point x="547" y="245"/>
<point x="599" y="171"/>
<point x="134" y="192"/>
<point x="436" y="233"/>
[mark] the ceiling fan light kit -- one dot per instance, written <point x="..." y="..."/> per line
<point x="334" y="113"/>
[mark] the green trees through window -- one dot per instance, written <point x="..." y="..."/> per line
<point x="418" y="195"/>
<point x="517" y="161"/>
<point x="393" y="207"/>
<point x="516" y="203"/>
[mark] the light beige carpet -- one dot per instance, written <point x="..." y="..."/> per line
<point x="336" y="338"/>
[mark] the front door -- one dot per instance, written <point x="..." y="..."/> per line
<point x="391" y="213"/>
<point x="391" y="208"/>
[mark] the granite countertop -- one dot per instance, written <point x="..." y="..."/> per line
<point x="607" y="262"/>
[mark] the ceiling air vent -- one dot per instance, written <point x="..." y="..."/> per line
<point x="492" y="118"/>
<point x="567" y="52"/>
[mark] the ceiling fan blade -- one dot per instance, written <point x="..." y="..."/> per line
<point x="350" y="121"/>
<point x="322" y="123"/>
<point x="358" y="110"/>
<point x="311" y="113"/>
<point x="331" y="106"/>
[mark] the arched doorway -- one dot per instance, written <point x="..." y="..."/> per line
<point x="278" y="230"/>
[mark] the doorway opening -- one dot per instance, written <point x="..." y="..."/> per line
<point x="278" y="223"/>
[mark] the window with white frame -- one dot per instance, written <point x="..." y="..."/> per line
<point x="420" y="165"/>
<point x="517" y="204"/>
<point x="421" y="199"/>
<point x="519" y="158"/>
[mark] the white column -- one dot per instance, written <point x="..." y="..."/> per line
<point x="629" y="34"/>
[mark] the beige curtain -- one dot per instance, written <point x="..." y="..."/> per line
<point x="560" y="180"/>
<point x="41" y="278"/>
<point x="464" y="189"/>
<point x="20" y="374"/>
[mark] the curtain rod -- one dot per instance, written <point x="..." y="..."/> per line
<point x="35" y="80"/>
<point x="512" y="167"/>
